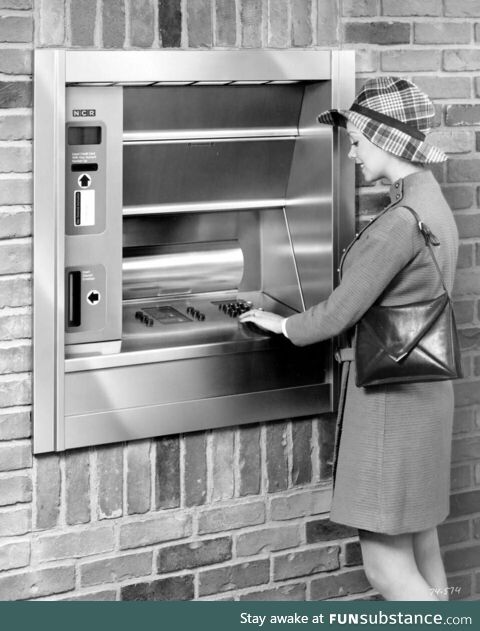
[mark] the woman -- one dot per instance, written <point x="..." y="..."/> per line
<point x="392" y="476"/>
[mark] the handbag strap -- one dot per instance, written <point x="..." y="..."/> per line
<point x="430" y="239"/>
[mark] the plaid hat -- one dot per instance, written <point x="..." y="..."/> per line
<point x="393" y="114"/>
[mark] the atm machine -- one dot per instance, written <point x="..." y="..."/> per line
<point x="172" y="192"/>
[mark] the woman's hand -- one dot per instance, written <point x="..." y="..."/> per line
<point x="264" y="319"/>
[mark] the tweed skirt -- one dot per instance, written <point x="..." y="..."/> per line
<point x="392" y="471"/>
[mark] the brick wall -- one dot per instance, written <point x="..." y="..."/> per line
<point x="240" y="513"/>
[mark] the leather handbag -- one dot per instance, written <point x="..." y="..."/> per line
<point x="409" y="343"/>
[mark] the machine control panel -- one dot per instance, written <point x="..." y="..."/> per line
<point x="168" y="315"/>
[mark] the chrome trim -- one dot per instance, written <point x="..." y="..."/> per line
<point x="207" y="135"/>
<point x="199" y="207"/>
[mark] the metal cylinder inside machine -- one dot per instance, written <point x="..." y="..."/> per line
<point x="189" y="269"/>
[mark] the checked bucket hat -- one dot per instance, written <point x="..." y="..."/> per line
<point x="395" y="115"/>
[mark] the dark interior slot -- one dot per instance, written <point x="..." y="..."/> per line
<point x="74" y="298"/>
<point x="92" y="166"/>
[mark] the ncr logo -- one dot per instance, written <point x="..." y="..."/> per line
<point x="83" y="113"/>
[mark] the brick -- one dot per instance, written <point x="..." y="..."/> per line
<point x="462" y="587"/>
<point x="277" y="459"/>
<point x="15" y="489"/>
<point x="251" y="23"/>
<point x="301" y="504"/>
<point x="16" y="4"/>
<point x="225" y="23"/>
<point x="464" y="503"/>
<point x="353" y="553"/>
<point x="463" y="420"/>
<point x="14" y="425"/>
<point x="50" y="22"/>
<point x="477" y="475"/>
<point x="442" y="33"/>
<point x="326" y="442"/>
<point x="404" y="60"/>
<point x="109" y="471"/>
<point x="462" y="8"/>
<point x="223" y="483"/>
<point x="465" y="449"/>
<point x="444" y="87"/>
<point x="465" y="255"/>
<point x="231" y="518"/>
<point x="290" y="592"/>
<point x="167" y="472"/>
<point x="476" y="528"/>
<point x="467" y="170"/>
<point x="267" y="540"/>
<point x="477" y="33"/>
<point x="326" y="530"/>
<point x="170" y="23"/>
<point x="199" y="23"/>
<point x="142" y="23"/>
<point x="338" y="585"/>
<point x="237" y="576"/>
<point x="302" y="28"/>
<point x="16" y="256"/>
<point x="195" y="554"/>
<point x="458" y="197"/>
<point x="467" y="392"/>
<point x="306" y="562"/>
<point x="14" y="555"/>
<point x="113" y="19"/>
<point x="476" y="366"/>
<point x="83" y="17"/>
<point x="469" y="338"/>
<point x="411" y="8"/>
<point x="468" y="225"/>
<point x="15" y="126"/>
<point x="301" y="452"/>
<point x="195" y="469"/>
<point x="16" y="455"/>
<point x="15" y="389"/>
<point x="327" y="24"/>
<point x="16" y="291"/>
<point x="15" y="521"/>
<point x="463" y="311"/>
<point x="116" y="569"/>
<point x="139" y="487"/>
<point x="250" y="460"/>
<point x="452" y="141"/>
<point x="15" y="190"/>
<point x="15" y="61"/>
<point x="359" y="8"/>
<point x="173" y="588"/>
<point x="15" y="222"/>
<point x="157" y="530"/>
<point x="99" y="595"/>
<point x="453" y="532"/>
<point x="47" y="489"/>
<point x="16" y="29"/>
<point x="458" y="60"/>
<point x="37" y="583"/>
<point x="462" y="115"/>
<point x="461" y="478"/>
<point x="77" y="487"/>
<point x="15" y="356"/>
<point x="366" y="60"/>
<point x="15" y="94"/>
<point x="278" y="31"/>
<point x="462" y="558"/>
<point x="382" y="33"/>
<point x="74" y="544"/>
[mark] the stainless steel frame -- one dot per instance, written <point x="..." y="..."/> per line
<point x="59" y="423"/>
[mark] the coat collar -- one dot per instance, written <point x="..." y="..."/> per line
<point x="402" y="187"/>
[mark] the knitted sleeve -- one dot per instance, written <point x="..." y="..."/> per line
<point x="382" y="250"/>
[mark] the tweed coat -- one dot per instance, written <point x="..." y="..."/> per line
<point x="393" y="467"/>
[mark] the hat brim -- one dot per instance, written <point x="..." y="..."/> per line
<point x="387" y="138"/>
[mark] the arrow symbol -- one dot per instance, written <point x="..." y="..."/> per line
<point x="93" y="297"/>
<point x="84" y="180"/>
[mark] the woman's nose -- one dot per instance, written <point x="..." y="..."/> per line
<point x="351" y="153"/>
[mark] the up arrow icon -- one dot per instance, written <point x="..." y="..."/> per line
<point x="84" y="180"/>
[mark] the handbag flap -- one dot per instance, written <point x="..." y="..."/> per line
<point x="398" y="329"/>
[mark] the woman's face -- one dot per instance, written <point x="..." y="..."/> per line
<point x="368" y="156"/>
